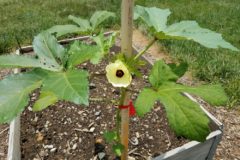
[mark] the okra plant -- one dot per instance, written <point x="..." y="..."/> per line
<point x="53" y="70"/>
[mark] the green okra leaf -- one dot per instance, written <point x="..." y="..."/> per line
<point x="45" y="99"/>
<point x="14" y="94"/>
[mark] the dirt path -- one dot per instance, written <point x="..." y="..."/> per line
<point x="140" y="41"/>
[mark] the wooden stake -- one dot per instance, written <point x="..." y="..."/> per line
<point x="126" y="48"/>
<point x="126" y="27"/>
<point x="125" y="128"/>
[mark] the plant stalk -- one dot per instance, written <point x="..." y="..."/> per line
<point x="124" y="123"/>
<point x="126" y="27"/>
<point x="145" y="49"/>
<point x="126" y="48"/>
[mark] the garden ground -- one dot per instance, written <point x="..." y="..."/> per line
<point x="21" y="20"/>
<point x="228" y="149"/>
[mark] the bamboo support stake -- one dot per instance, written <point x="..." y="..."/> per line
<point x="126" y="48"/>
<point x="125" y="126"/>
<point x="126" y="27"/>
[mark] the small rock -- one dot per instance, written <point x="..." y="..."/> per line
<point x="35" y="119"/>
<point x="92" y="86"/>
<point x="149" y="158"/>
<point x="53" y="150"/>
<point x="134" y="141"/>
<point x="91" y="124"/>
<point x="80" y="112"/>
<point x="157" y="109"/>
<point x="29" y="108"/>
<point x="92" y="129"/>
<point x="48" y="146"/>
<point x="97" y="113"/>
<point x="42" y="153"/>
<point x="131" y="158"/>
<point x="101" y="155"/>
<point x="76" y="138"/>
<point x="146" y="126"/>
<point x="137" y="135"/>
<point x="150" y="137"/>
<point x="74" y="146"/>
<point x="39" y="137"/>
<point x="145" y="77"/>
<point x="97" y="118"/>
<point x="98" y="107"/>
<point x="134" y="119"/>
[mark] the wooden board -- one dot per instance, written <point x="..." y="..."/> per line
<point x="194" y="150"/>
<point x="14" y="152"/>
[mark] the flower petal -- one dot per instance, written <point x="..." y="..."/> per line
<point x="112" y="77"/>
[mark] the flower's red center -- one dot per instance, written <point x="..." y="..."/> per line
<point x="119" y="73"/>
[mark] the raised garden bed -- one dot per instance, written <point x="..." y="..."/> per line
<point x="69" y="131"/>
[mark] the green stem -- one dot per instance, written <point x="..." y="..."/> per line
<point x="145" y="49"/>
<point x="118" y="122"/>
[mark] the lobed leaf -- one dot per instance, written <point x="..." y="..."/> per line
<point x="180" y="69"/>
<point x="156" y="20"/>
<point x="110" y="136"/>
<point x="153" y="17"/>
<point x="213" y="94"/>
<point x="185" y="116"/>
<point x="46" y="46"/>
<point x="99" y="17"/>
<point x="161" y="73"/>
<point x="100" y="41"/>
<point x="61" y="30"/>
<point x="111" y="40"/>
<point x="80" y="52"/>
<point x="190" y="30"/>
<point x="83" y="23"/>
<point x="71" y="85"/>
<point x="14" y="94"/>
<point x="24" y="61"/>
<point x="145" y="101"/>
<point x="48" y="50"/>
<point x="117" y="149"/>
<point x="45" y="99"/>
<point x="104" y="44"/>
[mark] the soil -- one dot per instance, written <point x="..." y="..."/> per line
<point x="68" y="131"/>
